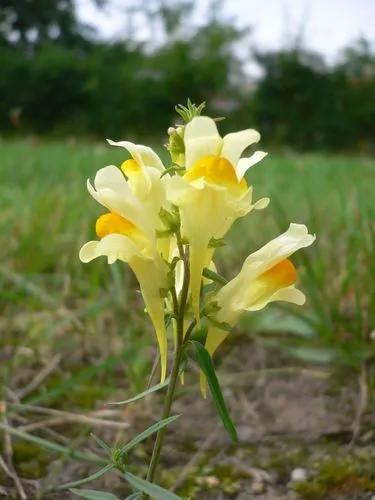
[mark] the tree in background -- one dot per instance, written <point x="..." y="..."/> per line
<point x="295" y="98"/>
<point x="92" y="87"/>
<point x="42" y="48"/>
<point x="28" y="24"/>
<point x="302" y="102"/>
<point x="358" y="66"/>
<point x="58" y="78"/>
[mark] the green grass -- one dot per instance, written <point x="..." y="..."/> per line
<point x="50" y="302"/>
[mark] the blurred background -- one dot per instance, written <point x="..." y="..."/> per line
<point x="301" y="71"/>
<point x="73" y="337"/>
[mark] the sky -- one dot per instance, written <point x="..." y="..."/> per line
<point x="325" y="25"/>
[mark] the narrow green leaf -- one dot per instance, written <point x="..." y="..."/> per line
<point x="213" y="276"/>
<point x="148" y="432"/>
<point x="205" y="363"/>
<point x="151" y="489"/>
<point x="87" y="479"/>
<point x="101" y="443"/>
<point x="141" y="395"/>
<point x="94" y="494"/>
<point x="137" y="495"/>
<point x="50" y="445"/>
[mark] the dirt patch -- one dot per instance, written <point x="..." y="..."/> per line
<point x="293" y="423"/>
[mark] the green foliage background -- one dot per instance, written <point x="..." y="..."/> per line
<point x="58" y="78"/>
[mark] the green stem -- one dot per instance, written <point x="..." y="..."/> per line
<point x="166" y="413"/>
<point x="179" y="307"/>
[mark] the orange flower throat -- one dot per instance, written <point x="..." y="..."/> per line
<point x="216" y="170"/>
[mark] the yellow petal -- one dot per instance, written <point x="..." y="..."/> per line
<point x="200" y="257"/>
<point x="138" y="178"/>
<point x="130" y="167"/>
<point x="113" y="191"/>
<point x="152" y="276"/>
<point x="280" y="275"/>
<point x="113" y="246"/>
<point x="262" y="289"/>
<point x="143" y="155"/>
<point x="110" y="177"/>
<point x="113" y="223"/>
<point x="88" y="251"/>
<point x="245" y="163"/>
<point x="201" y="138"/>
<point x="206" y="212"/>
<point x="216" y="170"/>
<point x="236" y="142"/>
<point x="140" y="168"/>
<point x="266" y="276"/>
<point x="280" y="248"/>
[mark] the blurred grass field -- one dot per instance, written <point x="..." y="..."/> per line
<point x="74" y="336"/>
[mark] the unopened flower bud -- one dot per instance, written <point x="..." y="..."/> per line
<point x="171" y="130"/>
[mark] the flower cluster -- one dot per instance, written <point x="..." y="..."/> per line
<point x="158" y="215"/>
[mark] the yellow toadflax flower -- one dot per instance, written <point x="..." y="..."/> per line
<point x="266" y="276"/>
<point x="166" y="223"/>
<point x="212" y="193"/>
<point x="141" y="168"/>
<point x="127" y="231"/>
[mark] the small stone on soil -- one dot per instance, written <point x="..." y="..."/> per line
<point x="298" y="474"/>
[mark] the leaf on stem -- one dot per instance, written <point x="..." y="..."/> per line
<point x="94" y="494"/>
<point x="151" y="489"/>
<point x="101" y="443"/>
<point x="141" y="395"/>
<point x="148" y="432"/>
<point x="87" y="479"/>
<point x="206" y="365"/>
<point x="137" y="495"/>
<point x="213" y="276"/>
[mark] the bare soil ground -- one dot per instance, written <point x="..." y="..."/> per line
<point x="294" y="425"/>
